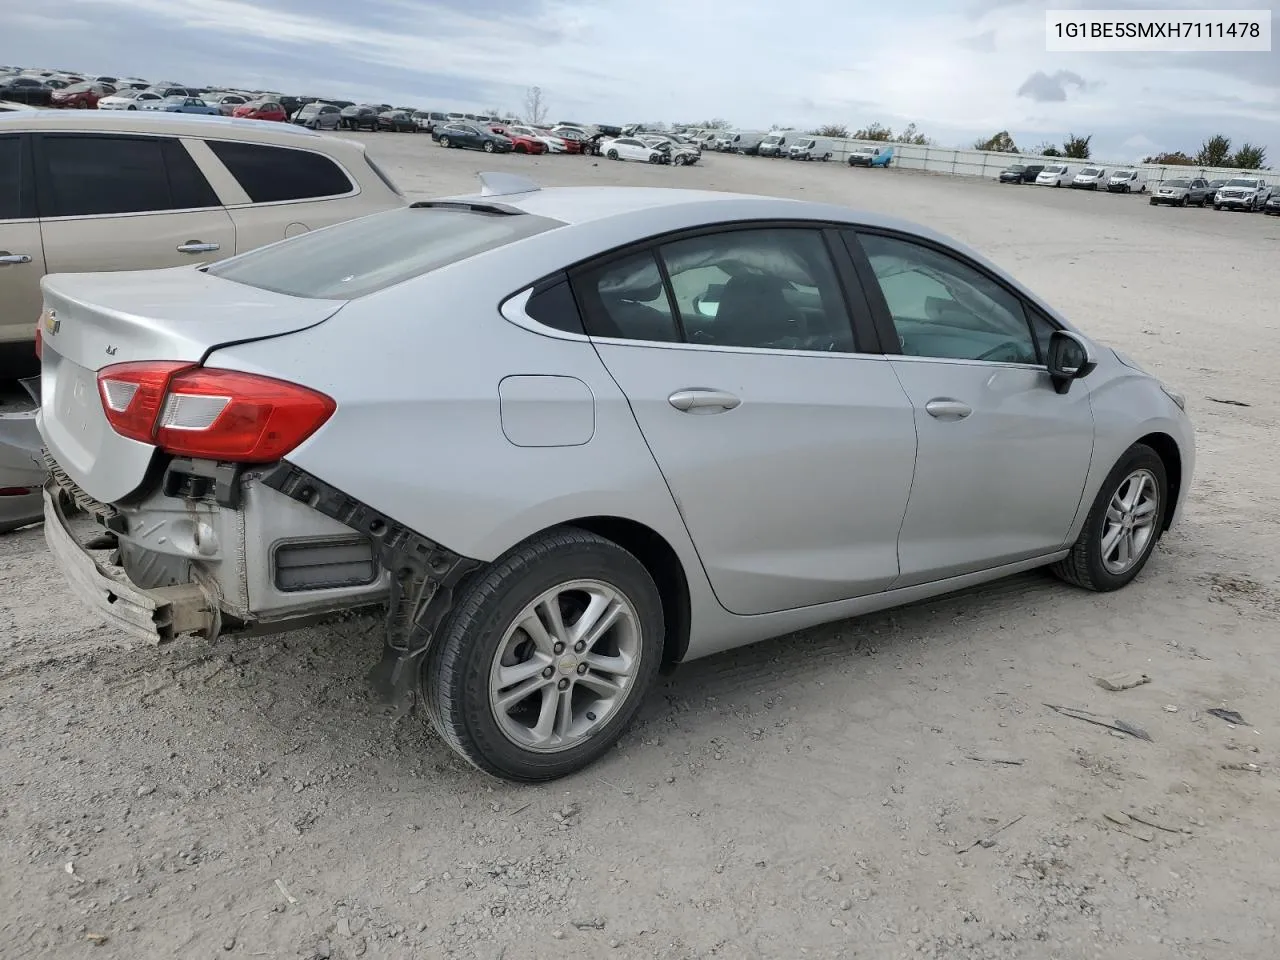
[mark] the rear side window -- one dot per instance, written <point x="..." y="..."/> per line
<point x="14" y="181"/>
<point x="95" y="175"/>
<point x="369" y="254"/>
<point x="552" y="304"/>
<point x="274" y="174"/>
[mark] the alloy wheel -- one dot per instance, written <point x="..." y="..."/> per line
<point x="1130" y="523"/>
<point x="565" y="665"/>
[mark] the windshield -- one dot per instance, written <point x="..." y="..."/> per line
<point x="362" y="256"/>
<point x="1242" y="183"/>
<point x="804" y="144"/>
<point x="1090" y="172"/>
<point x="773" y="138"/>
<point x="1177" y="183"/>
<point x="1055" y="169"/>
<point x="1122" y="175"/>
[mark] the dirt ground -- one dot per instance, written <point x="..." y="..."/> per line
<point x="882" y="788"/>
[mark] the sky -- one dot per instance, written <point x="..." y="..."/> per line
<point x="958" y="69"/>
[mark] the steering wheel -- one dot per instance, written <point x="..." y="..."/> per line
<point x="1012" y="346"/>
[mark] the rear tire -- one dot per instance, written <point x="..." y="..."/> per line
<point x="561" y="724"/>
<point x="1185" y="201"/>
<point x="1098" y="559"/>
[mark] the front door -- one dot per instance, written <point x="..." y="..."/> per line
<point x="21" y="254"/>
<point x="1002" y="457"/>
<point x="124" y="202"/>
<point x="788" y="453"/>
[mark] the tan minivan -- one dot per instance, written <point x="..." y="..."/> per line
<point x="85" y="191"/>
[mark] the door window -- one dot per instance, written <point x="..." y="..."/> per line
<point x="773" y="288"/>
<point x="274" y="174"/>
<point x="625" y="299"/>
<point x="95" y="175"/>
<point x="12" y="180"/>
<point x="943" y="308"/>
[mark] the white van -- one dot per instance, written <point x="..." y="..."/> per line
<point x="1090" y="178"/>
<point x="741" y="141"/>
<point x="812" y="148"/>
<point x="1054" y="175"/>
<point x="1127" y="181"/>
<point x="777" y="143"/>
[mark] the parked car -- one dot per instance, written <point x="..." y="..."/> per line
<point x="128" y="99"/>
<point x="81" y="96"/>
<point x="1182" y="192"/>
<point x="428" y="119"/>
<point x="631" y="148"/>
<point x="225" y="102"/>
<point x="261" y="110"/>
<point x="94" y="191"/>
<point x="1127" y="181"/>
<point x="812" y="148"/>
<point x="472" y="136"/>
<point x="548" y="139"/>
<point x="1089" y="178"/>
<point x="674" y="151"/>
<point x="521" y="142"/>
<point x="1242" y="193"/>
<point x="164" y="90"/>
<point x="28" y="90"/>
<point x="1054" y="175"/>
<point x="1021" y="173"/>
<point x="360" y="116"/>
<point x="179" y="104"/>
<point x="397" y="121"/>
<point x="318" y="116"/>
<point x="870" y="156"/>
<point x="565" y="559"/>
<point x="574" y="138"/>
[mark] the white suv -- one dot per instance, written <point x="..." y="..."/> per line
<point x="83" y="191"/>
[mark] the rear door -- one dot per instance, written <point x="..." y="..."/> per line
<point x="21" y="252"/>
<point x="786" y="441"/>
<point x="125" y="202"/>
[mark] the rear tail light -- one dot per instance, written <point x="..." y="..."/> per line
<point x="194" y="411"/>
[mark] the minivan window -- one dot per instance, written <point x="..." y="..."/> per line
<point x="363" y="256"/>
<point x="100" y="174"/>
<point x="275" y="174"/>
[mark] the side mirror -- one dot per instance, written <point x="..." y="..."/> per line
<point x="1070" y="358"/>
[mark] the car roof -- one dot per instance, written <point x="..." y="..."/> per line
<point x="173" y="124"/>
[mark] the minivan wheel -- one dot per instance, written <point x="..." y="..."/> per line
<point x="546" y="656"/>
<point x="1123" y="525"/>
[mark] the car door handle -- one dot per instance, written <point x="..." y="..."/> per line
<point x="7" y="258"/>
<point x="198" y="246"/>
<point x="946" y="409"/>
<point x="710" y="401"/>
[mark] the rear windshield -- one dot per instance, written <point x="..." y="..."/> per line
<point x="363" y="256"/>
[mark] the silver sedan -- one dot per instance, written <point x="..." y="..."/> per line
<point x="570" y="436"/>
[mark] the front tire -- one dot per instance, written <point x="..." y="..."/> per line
<point x="1123" y="525"/>
<point x="488" y="146"/>
<point x="546" y="657"/>
<point x="444" y="142"/>
<point x="612" y="154"/>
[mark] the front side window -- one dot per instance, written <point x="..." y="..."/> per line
<point x="945" y="309"/>
<point x="275" y="174"/>
<point x="95" y="175"/>
<point x="362" y="256"/>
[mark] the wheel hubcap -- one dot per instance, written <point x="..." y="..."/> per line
<point x="565" y="665"/>
<point x="1131" y="521"/>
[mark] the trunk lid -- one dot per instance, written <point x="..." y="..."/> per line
<point x="95" y="320"/>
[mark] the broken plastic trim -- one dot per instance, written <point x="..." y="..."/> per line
<point x="424" y="576"/>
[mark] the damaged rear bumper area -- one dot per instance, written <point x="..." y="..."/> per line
<point x="219" y="549"/>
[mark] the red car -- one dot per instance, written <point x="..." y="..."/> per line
<point x="261" y="110"/>
<point x="521" y="143"/>
<point x="82" y="96"/>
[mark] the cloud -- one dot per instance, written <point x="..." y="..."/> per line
<point x="1044" y="88"/>
<point x="958" y="70"/>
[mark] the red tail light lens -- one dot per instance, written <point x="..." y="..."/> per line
<point x="39" y="342"/>
<point x="194" y="411"/>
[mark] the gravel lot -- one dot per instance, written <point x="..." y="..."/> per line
<point x="812" y="796"/>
